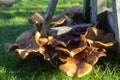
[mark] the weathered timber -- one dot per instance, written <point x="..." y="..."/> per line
<point x="48" y="17"/>
<point x="116" y="18"/>
<point x="65" y="29"/>
<point x="110" y="19"/>
<point x="86" y="9"/>
<point x="94" y="12"/>
<point x="97" y="7"/>
<point x="101" y="6"/>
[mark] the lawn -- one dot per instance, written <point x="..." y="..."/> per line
<point x="13" y="21"/>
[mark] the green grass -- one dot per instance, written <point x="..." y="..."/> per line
<point x="13" y="21"/>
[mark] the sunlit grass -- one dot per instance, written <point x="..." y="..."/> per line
<point x="13" y="21"/>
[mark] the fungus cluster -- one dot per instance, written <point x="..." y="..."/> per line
<point x="77" y="49"/>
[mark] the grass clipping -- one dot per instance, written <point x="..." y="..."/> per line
<point x="77" y="51"/>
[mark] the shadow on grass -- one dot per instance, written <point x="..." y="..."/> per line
<point x="34" y="66"/>
<point x="112" y="60"/>
<point x="26" y="69"/>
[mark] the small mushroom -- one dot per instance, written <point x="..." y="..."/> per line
<point x="75" y="13"/>
<point x="25" y="44"/>
<point x="98" y="38"/>
<point x="58" y="20"/>
<point x="25" y="52"/>
<point x="74" y="68"/>
<point x="11" y="47"/>
<point x="93" y="59"/>
<point x="36" y="18"/>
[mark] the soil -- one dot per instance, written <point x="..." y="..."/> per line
<point x="6" y="3"/>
